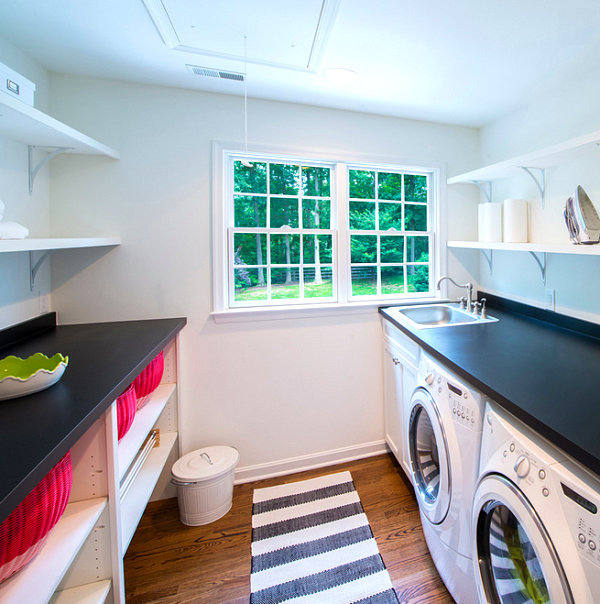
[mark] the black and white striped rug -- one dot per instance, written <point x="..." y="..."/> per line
<point x="312" y="543"/>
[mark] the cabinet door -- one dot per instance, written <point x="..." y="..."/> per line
<point x="392" y="400"/>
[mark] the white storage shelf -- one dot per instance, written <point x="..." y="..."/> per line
<point x="134" y="504"/>
<point x="538" y="248"/>
<point x="37" y="582"/>
<point x="145" y="418"/>
<point x="94" y="593"/>
<point x="23" y="123"/>
<point x="567" y="151"/>
<point x="60" y="243"/>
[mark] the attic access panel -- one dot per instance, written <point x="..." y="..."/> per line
<point x="292" y="34"/>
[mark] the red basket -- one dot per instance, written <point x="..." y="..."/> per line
<point x="24" y="532"/>
<point x="149" y="379"/>
<point x="126" y="405"/>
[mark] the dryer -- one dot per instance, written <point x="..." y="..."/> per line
<point x="444" y="422"/>
<point x="535" y="519"/>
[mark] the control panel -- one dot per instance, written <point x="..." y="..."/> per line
<point x="463" y="404"/>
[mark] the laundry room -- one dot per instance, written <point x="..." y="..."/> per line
<point x="299" y="301"/>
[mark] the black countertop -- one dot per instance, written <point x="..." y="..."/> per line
<point x="38" y="429"/>
<point x="542" y="367"/>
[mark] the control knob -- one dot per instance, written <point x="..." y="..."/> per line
<point x="522" y="466"/>
<point x="429" y="379"/>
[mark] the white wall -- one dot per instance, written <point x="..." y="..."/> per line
<point x="276" y="389"/>
<point x="560" y="114"/>
<point x="17" y="301"/>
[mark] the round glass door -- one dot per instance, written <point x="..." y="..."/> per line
<point x="516" y="559"/>
<point x="428" y="457"/>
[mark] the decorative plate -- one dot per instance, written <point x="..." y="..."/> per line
<point x="19" y="377"/>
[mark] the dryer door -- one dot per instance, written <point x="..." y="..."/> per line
<point x="429" y="460"/>
<point x="515" y="560"/>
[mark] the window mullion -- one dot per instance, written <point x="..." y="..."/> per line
<point x="343" y="270"/>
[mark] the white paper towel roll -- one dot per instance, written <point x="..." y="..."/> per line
<point x="490" y="221"/>
<point x="515" y="220"/>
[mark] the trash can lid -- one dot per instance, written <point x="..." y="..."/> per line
<point x="205" y="463"/>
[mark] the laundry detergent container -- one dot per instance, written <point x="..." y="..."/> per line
<point x="204" y="480"/>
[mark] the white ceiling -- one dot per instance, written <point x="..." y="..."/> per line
<point x="464" y="62"/>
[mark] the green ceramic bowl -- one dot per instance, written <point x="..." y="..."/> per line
<point x="19" y="377"/>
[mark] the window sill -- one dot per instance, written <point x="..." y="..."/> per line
<point x="274" y="313"/>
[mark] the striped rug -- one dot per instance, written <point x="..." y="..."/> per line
<point x="312" y="543"/>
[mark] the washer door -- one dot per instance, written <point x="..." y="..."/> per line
<point x="514" y="556"/>
<point x="429" y="460"/>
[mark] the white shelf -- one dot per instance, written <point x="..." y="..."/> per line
<point x="39" y="579"/>
<point x="94" y="593"/>
<point x="145" y="418"/>
<point x="550" y="248"/>
<point x="60" y="243"/>
<point x="28" y="125"/>
<point x="135" y="502"/>
<point x="550" y="156"/>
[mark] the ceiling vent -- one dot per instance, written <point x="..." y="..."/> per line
<point x="215" y="73"/>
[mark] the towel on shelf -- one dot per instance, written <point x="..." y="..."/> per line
<point x="13" y="230"/>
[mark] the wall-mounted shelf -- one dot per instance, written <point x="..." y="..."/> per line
<point x="539" y="248"/>
<point x="28" y="125"/>
<point x="566" y="151"/>
<point x="533" y="164"/>
<point x="50" y="244"/>
<point x="55" y="243"/>
<point x="538" y="251"/>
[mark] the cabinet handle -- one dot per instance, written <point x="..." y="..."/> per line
<point x="396" y="361"/>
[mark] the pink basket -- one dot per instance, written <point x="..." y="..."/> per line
<point x="126" y="405"/>
<point x="24" y="532"/>
<point x="147" y="382"/>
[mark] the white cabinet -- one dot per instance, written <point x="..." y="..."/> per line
<point x="400" y="376"/>
<point x="82" y="559"/>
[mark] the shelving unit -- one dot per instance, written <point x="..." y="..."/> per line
<point x="82" y="559"/>
<point x="538" y="248"/>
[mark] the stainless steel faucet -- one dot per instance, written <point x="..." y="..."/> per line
<point x="468" y="285"/>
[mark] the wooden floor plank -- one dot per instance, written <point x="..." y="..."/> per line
<point x="170" y="563"/>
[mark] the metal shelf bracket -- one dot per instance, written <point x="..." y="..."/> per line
<point x="490" y="259"/>
<point x="542" y="264"/>
<point x="35" y="267"/>
<point x="539" y="180"/>
<point x="33" y="170"/>
<point x="485" y="186"/>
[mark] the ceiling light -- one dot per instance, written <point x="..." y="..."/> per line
<point x="340" y="75"/>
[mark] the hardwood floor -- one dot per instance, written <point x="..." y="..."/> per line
<point x="168" y="562"/>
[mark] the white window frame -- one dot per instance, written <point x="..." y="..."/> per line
<point x="221" y="219"/>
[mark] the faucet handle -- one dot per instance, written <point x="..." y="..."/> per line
<point x="463" y="302"/>
<point x="476" y="307"/>
<point x="483" y="310"/>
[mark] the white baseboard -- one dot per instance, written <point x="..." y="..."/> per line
<point x="309" y="462"/>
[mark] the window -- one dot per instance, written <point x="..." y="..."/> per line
<point x="300" y="231"/>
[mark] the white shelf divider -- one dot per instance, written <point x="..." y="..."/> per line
<point x="57" y="243"/>
<point x="134" y="504"/>
<point x="145" y="418"/>
<point x="37" y="582"/>
<point x="538" y="248"/>
<point x="93" y="593"/>
<point x="28" y="125"/>
<point x="566" y="151"/>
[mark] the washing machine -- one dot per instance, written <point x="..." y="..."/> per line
<point x="535" y="520"/>
<point x="444" y="423"/>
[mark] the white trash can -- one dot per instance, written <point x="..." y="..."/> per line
<point x="204" y="480"/>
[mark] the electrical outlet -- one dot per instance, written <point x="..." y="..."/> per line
<point x="549" y="299"/>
